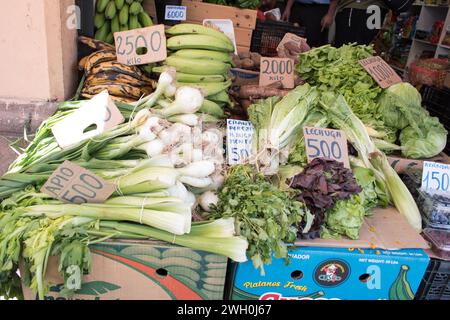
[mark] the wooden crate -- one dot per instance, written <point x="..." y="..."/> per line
<point x="244" y="20"/>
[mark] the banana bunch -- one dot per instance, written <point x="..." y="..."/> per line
<point x="119" y="15"/>
<point x="202" y="58"/>
<point x="102" y="71"/>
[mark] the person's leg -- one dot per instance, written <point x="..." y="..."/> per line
<point x="343" y="34"/>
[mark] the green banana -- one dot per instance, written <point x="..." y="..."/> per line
<point x="186" y="77"/>
<point x="190" y="28"/>
<point x="115" y="25"/>
<point x="198" y="41"/>
<point x="212" y="108"/>
<point x="124" y="27"/>
<point x="203" y="54"/>
<point x="99" y="20"/>
<point x="200" y="67"/>
<point x="103" y="32"/>
<point x="110" y="38"/>
<point x="119" y="4"/>
<point x="129" y="1"/>
<point x="400" y="289"/>
<point x="210" y="88"/>
<point x="133" y="22"/>
<point x="111" y="10"/>
<point x="220" y="98"/>
<point x="101" y="5"/>
<point x="136" y="8"/>
<point x="144" y="19"/>
<point x="123" y="14"/>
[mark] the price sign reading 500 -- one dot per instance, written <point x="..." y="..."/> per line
<point x="436" y="176"/>
<point x="141" y="46"/>
<point x="327" y="144"/>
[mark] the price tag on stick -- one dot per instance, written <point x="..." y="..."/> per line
<point x="177" y="13"/>
<point x="239" y="140"/>
<point x="151" y="41"/>
<point x="435" y="176"/>
<point x="73" y="184"/>
<point x="326" y="143"/>
<point x="276" y="69"/>
<point x="380" y="71"/>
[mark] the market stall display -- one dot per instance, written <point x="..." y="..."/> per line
<point x="176" y="211"/>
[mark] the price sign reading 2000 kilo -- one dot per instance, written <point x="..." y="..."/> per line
<point x="326" y="143"/>
<point x="141" y="46"/>
<point x="74" y="184"/>
<point x="277" y="69"/>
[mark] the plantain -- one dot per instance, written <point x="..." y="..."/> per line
<point x="197" y="29"/>
<point x="119" y="4"/>
<point x="110" y="38"/>
<point x="198" y="41"/>
<point x="115" y="66"/>
<point x="110" y="77"/>
<point x="115" y="25"/>
<point x="136" y="8"/>
<point x="111" y="10"/>
<point x="133" y="22"/>
<point x="95" y="44"/>
<point x="101" y="5"/>
<point x="103" y="32"/>
<point x="82" y="63"/>
<point x="209" y="88"/>
<point x="119" y="90"/>
<point x="99" y="20"/>
<point x="187" y="77"/>
<point x="144" y="19"/>
<point x="98" y="57"/>
<point x="124" y="14"/>
<point x="120" y="99"/>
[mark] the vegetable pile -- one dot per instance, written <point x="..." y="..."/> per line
<point x="394" y="117"/>
<point x="158" y="173"/>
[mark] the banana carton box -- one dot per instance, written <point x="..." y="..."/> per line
<point x="334" y="274"/>
<point x="143" y="270"/>
<point x="391" y="269"/>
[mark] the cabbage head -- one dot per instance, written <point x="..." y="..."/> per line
<point x="400" y="105"/>
<point x="426" y="142"/>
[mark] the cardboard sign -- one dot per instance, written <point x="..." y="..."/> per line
<point x="435" y="176"/>
<point x="239" y="140"/>
<point x="290" y="37"/>
<point x="177" y="13"/>
<point x="152" y="38"/>
<point x="73" y="184"/>
<point x="99" y="111"/>
<point x="277" y="69"/>
<point x="224" y="25"/>
<point x="380" y="71"/>
<point x="326" y="143"/>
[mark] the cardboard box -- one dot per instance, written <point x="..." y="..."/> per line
<point x="400" y="164"/>
<point x="242" y="76"/>
<point x="386" y="261"/>
<point x="145" y="270"/>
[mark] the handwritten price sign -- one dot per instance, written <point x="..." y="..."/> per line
<point x="326" y="143"/>
<point x="239" y="140"/>
<point x="435" y="176"/>
<point x="152" y="40"/>
<point x="177" y="13"/>
<point x="380" y="71"/>
<point x="74" y="184"/>
<point x="277" y="69"/>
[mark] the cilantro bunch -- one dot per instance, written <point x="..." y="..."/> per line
<point x="265" y="215"/>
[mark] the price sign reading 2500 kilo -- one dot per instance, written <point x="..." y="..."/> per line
<point x="141" y="46"/>
<point x="277" y="69"/>
<point x="326" y="143"/>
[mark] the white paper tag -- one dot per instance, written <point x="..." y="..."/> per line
<point x="177" y="13"/>
<point x="100" y="112"/>
<point x="239" y="140"/>
<point x="435" y="176"/>
<point x="224" y="25"/>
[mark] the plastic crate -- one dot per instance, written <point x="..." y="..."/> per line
<point x="436" y="98"/>
<point x="435" y="283"/>
<point x="267" y="35"/>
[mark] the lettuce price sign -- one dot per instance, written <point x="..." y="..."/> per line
<point x="380" y="71"/>
<point x="327" y="144"/>
<point x="73" y="184"/>
<point x="151" y="41"/>
<point x="239" y="140"/>
<point x="435" y="176"/>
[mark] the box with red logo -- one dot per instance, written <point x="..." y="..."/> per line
<point x="391" y="269"/>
